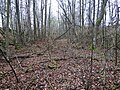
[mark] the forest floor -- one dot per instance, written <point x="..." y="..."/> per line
<point x="58" y="66"/>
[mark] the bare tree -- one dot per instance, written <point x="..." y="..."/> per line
<point x="45" y="20"/>
<point x="34" y="20"/>
<point x="82" y="14"/>
<point x="116" y="33"/>
<point x="29" y="20"/>
<point x="20" y="40"/>
<point x="42" y="8"/>
<point x="49" y="20"/>
<point x="7" y="28"/>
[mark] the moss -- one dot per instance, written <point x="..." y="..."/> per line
<point x="53" y="66"/>
<point x="18" y="46"/>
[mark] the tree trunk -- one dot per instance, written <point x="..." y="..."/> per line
<point x="7" y="28"/>
<point x="45" y="20"/>
<point x="20" y="40"/>
<point x="42" y="8"/>
<point x="49" y="19"/>
<point x="29" y="21"/>
<point x="34" y="19"/>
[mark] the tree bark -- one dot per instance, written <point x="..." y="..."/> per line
<point x="20" y="40"/>
<point x="34" y="20"/>
<point x="42" y="8"/>
<point x="45" y="20"/>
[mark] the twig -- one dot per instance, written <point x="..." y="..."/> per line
<point x="51" y="87"/>
<point x="8" y="61"/>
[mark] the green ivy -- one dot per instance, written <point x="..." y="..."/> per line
<point x="92" y="48"/>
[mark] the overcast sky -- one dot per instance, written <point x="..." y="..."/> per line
<point x="54" y="9"/>
<point x="54" y="6"/>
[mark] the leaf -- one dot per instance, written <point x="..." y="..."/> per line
<point x="2" y="75"/>
<point x="55" y="58"/>
<point x="92" y="48"/>
<point x="29" y="69"/>
<point x="52" y="66"/>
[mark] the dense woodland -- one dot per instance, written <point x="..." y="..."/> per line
<point x="76" y="47"/>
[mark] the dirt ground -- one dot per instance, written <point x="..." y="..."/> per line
<point x="58" y="66"/>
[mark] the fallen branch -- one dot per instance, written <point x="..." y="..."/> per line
<point x="22" y="56"/>
<point x="8" y="61"/>
<point x="50" y="85"/>
<point x="62" y="34"/>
